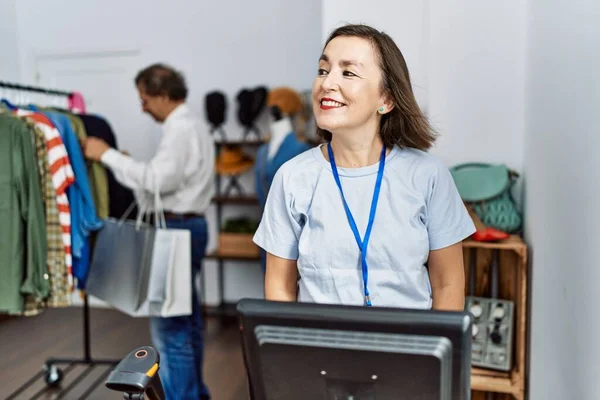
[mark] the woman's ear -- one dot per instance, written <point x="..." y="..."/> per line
<point x="387" y="104"/>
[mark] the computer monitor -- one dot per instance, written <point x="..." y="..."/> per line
<point x="299" y="351"/>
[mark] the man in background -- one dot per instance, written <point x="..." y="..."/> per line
<point x="182" y="170"/>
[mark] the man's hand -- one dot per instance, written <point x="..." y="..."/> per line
<point x="95" y="148"/>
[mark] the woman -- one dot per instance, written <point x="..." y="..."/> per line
<point x="369" y="218"/>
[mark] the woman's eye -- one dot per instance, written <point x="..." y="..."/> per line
<point x="321" y="71"/>
<point x="348" y="73"/>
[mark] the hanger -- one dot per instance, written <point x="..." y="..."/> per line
<point x="8" y="104"/>
<point x="12" y="95"/>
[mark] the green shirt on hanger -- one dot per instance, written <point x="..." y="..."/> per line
<point x="23" y="244"/>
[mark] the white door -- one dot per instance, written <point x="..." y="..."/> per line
<point x="106" y="81"/>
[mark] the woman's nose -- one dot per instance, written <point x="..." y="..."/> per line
<point x="330" y="82"/>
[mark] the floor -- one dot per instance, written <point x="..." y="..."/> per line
<point x="26" y="342"/>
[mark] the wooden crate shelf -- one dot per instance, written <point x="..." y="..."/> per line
<point x="486" y="384"/>
<point x="513" y="285"/>
<point x="219" y="255"/>
<point x="489" y="372"/>
<point x="514" y="243"/>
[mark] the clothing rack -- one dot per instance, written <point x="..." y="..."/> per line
<point x="34" y="89"/>
<point x="52" y="374"/>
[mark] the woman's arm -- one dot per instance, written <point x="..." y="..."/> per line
<point x="447" y="276"/>
<point x="281" y="279"/>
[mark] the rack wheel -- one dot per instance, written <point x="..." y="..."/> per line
<point x="53" y="375"/>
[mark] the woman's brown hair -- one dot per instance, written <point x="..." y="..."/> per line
<point x="405" y="125"/>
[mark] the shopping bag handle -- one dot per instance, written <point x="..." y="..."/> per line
<point x="159" y="215"/>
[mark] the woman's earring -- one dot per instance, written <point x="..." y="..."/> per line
<point x="380" y="109"/>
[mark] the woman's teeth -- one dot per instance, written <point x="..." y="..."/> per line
<point x="331" y="103"/>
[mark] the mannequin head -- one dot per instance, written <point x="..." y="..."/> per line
<point x="276" y="113"/>
<point x="284" y="102"/>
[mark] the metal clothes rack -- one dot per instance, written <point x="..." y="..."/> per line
<point x="53" y="375"/>
<point x="34" y="89"/>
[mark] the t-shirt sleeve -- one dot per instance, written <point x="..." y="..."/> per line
<point x="448" y="221"/>
<point x="279" y="228"/>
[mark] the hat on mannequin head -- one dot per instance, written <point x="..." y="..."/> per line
<point x="286" y="99"/>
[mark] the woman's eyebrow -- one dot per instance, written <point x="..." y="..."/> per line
<point x="344" y="63"/>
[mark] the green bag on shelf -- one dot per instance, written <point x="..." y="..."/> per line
<point x="486" y="188"/>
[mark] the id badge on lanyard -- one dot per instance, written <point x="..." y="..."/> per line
<point x="362" y="244"/>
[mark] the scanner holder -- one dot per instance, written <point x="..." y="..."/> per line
<point x="136" y="375"/>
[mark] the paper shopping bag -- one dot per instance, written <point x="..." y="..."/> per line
<point x="178" y="293"/>
<point x="164" y="248"/>
<point x="120" y="267"/>
<point x="164" y="288"/>
<point x="169" y="286"/>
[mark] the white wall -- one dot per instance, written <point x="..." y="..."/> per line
<point x="219" y="45"/>
<point x="223" y="45"/>
<point x="407" y="22"/>
<point x="563" y="184"/>
<point x="467" y="61"/>
<point x="477" y="80"/>
<point x="9" y="61"/>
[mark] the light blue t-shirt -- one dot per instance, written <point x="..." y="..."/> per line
<point x="419" y="210"/>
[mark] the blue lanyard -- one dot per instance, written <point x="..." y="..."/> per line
<point x="362" y="244"/>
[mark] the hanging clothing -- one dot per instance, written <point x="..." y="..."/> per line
<point x="84" y="219"/>
<point x="76" y="102"/>
<point x="62" y="178"/>
<point x="23" y="246"/>
<point x="55" y="259"/>
<point x="266" y="168"/>
<point x="33" y="304"/>
<point x="50" y="198"/>
<point x="97" y="174"/>
<point x="119" y="197"/>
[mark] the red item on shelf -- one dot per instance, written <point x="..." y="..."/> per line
<point x="490" y="235"/>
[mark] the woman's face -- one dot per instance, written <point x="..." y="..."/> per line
<point x="347" y="90"/>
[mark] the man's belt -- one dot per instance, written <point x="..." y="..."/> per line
<point x="172" y="215"/>
<point x="183" y="216"/>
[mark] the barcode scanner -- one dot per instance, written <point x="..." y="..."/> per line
<point x="137" y="375"/>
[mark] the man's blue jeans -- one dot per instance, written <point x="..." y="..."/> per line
<point x="180" y="340"/>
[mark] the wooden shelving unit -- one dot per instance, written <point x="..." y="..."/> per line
<point x="513" y="286"/>
<point x="241" y="200"/>
<point x="220" y="201"/>
<point x="257" y="142"/>
<point x="217" y="255"/>
<point x="249" y="142"/>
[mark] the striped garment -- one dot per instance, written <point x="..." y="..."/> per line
<point x="57" y="270"/>
<point x="62" y="177"/>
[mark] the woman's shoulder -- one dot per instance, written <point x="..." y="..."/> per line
<point x="421" y="163"/>
<point x="301" y="166"/>
<point x="421" y="171"/>
<point x="295" y="181"/>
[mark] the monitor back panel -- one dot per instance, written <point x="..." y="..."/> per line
<point x="307" y="363"/>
